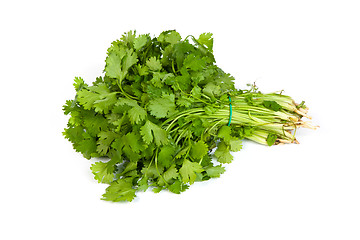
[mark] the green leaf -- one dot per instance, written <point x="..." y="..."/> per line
<point x="166" y="155"/>
<point x="178" y="187"/>
<point x="74" y="133"/>
<point x="142" y="69"/>
<point x="196" y="92"/>
<point x="207" y="40"/>
<point x="129" y="37"/>
<point x="98" y="96"/>
<point x="170" y="174"/>
<point x="87" y="146"/>
<point x="183" y="81"/>
<point x="118" y="63"/>
<point x="154" y="64"/>
<point x="87" y="98"/>
<point x="130" y="59"/>
<point x="103" y="172"/>
<point x="141" y="41"/>
<point x="215" y="171"/>
<point x="151" y="132"/>
<point x="226" y="82"/>
<point x="271" y="139"/>
<point x="129" y="169"/>
<point x="156" y="80"/>
<point x="235" y="144"/>
<point x="137" y="114"/>
<point x="225" y="133"/>
<point x="170" y="36"/>
<point x="79" y="83"/>
<point x="104" y="142"/>
<point x="184" y="101"/>
<point x="143" y="184"/>
<point x="199" y="150"/>
<point x="120" y="190"/>
<point x="146" y="132"/>
<point x="181" y="49"/>
<point x="126" y="101"/>
<point x="95" y="123"/>
<point x="173" y="37"/>
<point x="105" y="103"/>
<point x="113" y="66"/>
<point x="222" y="153"/>
<point x="194" y="62"/>
<point x="133" y="140"/>
<point x="130" y="154"/>
<point x="188" y="171"/>
<point x="163" y="106"/>
<point x="152" y="171"/>
<point x="211" y="90"/>
<point x="272" y="105"/>
<point x="182" y="152"/>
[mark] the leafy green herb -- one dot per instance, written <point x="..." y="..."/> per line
<point x="272" y="105"/>
<point x="161" y="108"/>
<point x="271" y="139"/>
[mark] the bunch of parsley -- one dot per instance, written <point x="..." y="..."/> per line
<point x="164" y="115"/>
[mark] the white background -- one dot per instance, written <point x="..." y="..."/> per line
<point x="310" y="49"/>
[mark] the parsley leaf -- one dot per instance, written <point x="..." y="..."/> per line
<point x="103" y="172"/>
<point x="141" y="41"/>
<point x="271" y="139"/>
<point x="188" y="171"/>
<point x="137" y="114"/>
<point x="215" y="171"/>
<point x="163" y="106"/>
<point x="151" y="132"/>
<point x="153" y="64"/>
<point x="120" y="190"/>
<point x="222" y="153"/>
<point x="166" y="155"/>
<point x="272" y="105"/>
<point x="199" y="150"/>
<point x="207" y="40"/>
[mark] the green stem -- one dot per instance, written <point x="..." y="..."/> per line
<point x="264" y="120"/>
<point x="123" y="92"/>
<point x="156" y="167"/>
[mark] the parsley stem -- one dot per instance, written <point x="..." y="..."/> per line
<point x="156" y="166"/>
<point x="173" y="67"/>
<point x="123" y="92"/>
